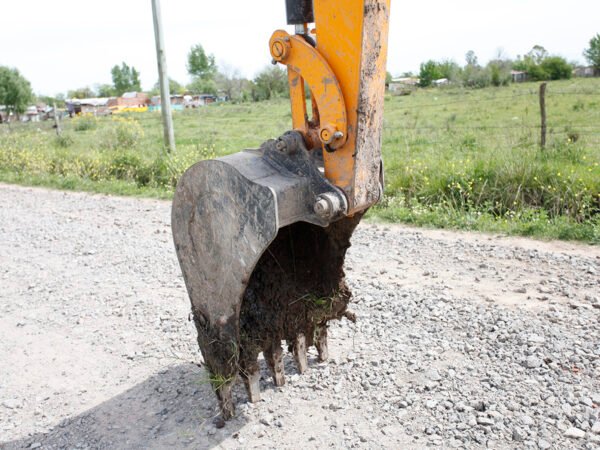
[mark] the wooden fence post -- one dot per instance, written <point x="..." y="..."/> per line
<point x="56" y="120"/>
<point x="543" y="113"/>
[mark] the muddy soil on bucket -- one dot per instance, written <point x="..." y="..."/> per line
<point x="296" y="288"/>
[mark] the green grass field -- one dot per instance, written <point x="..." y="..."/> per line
<point x="456" y="158"/>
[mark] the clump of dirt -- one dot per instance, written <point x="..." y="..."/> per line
<point x="297" y="286"/>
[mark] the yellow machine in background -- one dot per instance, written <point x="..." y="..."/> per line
<point x="124" y="109"/>
<point x="261" y="235"/>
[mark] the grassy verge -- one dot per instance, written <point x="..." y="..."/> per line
<point x="466" y="159"/>
<point x="526" y="222"/>
<point x="75" y="183"/>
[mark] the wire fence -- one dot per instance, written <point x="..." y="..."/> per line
<point x="555" y="126"/>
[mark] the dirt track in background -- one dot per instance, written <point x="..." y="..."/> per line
<point x="462" y="340"/>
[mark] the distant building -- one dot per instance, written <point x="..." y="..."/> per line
<point x="585" y="72"/>
<point x="403" y="84"/>
<point x="201" y="100"/>
<point x="129" y="102"/>
<point x="519" y="76"/>
<point x="179" y="102"/>
<point x="31" y="115"/>
<point x="94" y="106"/>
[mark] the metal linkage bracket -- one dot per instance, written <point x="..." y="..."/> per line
<point x="304" y="62"/>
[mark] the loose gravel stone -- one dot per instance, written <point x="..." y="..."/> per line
<point x="543" y="444"/>
<point x="533" y="362"/>
<point x="575" y="433"/>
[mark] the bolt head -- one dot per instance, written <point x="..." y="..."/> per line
<point x="278" y="49"/>
<point x="322" y="208"/>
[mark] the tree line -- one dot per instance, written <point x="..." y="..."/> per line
<point x="16" y="93"/>
<point x="206" y="78"/>
<point x="537" y="64"/>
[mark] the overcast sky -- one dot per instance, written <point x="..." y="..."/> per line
<point x="67" y="44"/>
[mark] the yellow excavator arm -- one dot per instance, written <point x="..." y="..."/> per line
<point x="343" y="62"/>
<point x="261" y="235"/>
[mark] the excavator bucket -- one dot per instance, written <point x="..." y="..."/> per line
<point x="260" y="264"/>
<point x="261" y="235"/>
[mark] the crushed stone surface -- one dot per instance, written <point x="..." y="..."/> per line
<point x="461" y="341"/>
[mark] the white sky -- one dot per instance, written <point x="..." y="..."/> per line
<point x="66" y="44"/>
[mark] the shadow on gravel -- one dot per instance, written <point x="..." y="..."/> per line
<point x="172" y="409"/>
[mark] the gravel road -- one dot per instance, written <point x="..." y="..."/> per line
<point x="462" y="340"/>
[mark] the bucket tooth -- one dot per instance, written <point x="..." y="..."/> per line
<point x="321" y="343"/>
<point x="251" y="379"/>
<point x="300" y="352"/>
<point x="274" y="358"/>
<point x="224" y="394"/>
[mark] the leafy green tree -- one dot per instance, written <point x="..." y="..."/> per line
<point x="175" y="88"/>
<point x="471" y="58"/>
<point x="499" y="71"/>
<point x="448" y="69"/>
<point x="592" y="54"/>
<point x="231" y="83"/>
<point x="106" y="90"/>
<point x="271" y="83"/>
<point x="50" y="101"/>
<point x="388" y="78"/>
<point x="538" y="54"/>
<point x="546" y="68"/>
<point x="556" y="68"/>
<point x="15" y="90"/>
<point x="428" y="72"/>
<point x="125" y="79"/>
<point x="473" y="75"/>
<point x="201" y="65"/>
<point x="202" y="86"/>
<point x="84" y="92"/>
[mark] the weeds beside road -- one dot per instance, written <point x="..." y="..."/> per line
<point x="455" y="158"/>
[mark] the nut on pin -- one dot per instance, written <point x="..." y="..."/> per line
<point x="328" y="206"/>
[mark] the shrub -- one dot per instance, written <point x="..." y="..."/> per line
<point x="499" y="73"/>
<point x="124" y="166"/>
<point x="428" y="73"/>
<point x="63" y="140"/>
<point x="121" y="133"/>
<point x="84" y="122"/>
<point x="556" y="68"/>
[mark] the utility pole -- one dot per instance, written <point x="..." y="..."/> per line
<point x="165" y="95"/>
